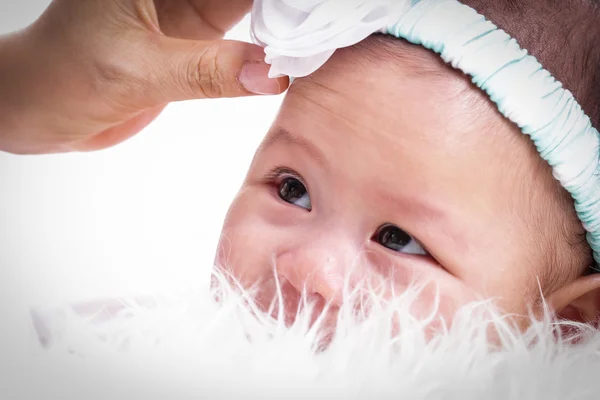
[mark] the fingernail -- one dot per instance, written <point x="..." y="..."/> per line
<point x="254" y="77"/>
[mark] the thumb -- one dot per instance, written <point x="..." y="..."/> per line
<point x="190" y="69"/>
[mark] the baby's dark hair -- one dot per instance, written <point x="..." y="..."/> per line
<point x="564" y="35"/>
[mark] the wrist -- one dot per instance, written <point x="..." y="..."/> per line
<point x="7" y="109"/>
<point x="23" y="76"/>
<point x="13" y="96"/>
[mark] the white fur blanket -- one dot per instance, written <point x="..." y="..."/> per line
<point x="187" y="346"/>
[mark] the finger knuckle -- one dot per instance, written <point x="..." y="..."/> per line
<point x="206" y="75"/>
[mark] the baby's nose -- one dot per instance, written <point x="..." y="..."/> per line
<point x="321" y="270"/>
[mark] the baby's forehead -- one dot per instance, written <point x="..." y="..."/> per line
<point x="396" y="90"/>
<point x="414" y="60"/>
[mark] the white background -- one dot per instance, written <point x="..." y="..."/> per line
<point x="138" y="218"/>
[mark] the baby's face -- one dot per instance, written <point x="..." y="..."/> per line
<point x="398" y="175"/>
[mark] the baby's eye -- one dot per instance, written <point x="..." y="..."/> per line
<point x="396" y="239"/>
<point x="293" y="191"/>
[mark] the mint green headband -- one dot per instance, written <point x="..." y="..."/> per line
<point x="299" y="36"/>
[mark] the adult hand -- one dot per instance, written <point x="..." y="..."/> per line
<point x="89" y="74"/>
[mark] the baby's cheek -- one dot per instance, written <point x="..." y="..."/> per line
<point x="244" y="252"/>
<point x="249" y="239"/>
<point x="431" y="288"/>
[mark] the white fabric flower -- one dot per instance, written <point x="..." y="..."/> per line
<point x="299" y="36"/>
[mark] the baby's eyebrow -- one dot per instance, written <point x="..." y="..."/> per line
<point x="416" y="205"/>
<point x="282" y="135"/>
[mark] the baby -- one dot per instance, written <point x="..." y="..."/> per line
<point x="389" y="164"/>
